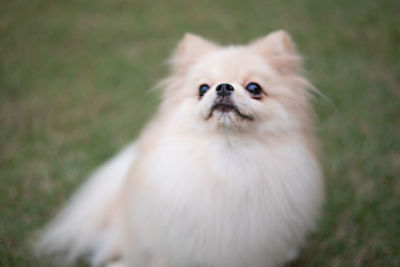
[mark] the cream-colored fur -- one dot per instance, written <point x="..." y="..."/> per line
<point x="202" y="187"/>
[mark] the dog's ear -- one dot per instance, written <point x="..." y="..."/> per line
<point x="189" y="49"/>
<point x="279" y="49"/>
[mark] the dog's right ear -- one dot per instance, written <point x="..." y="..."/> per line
<point x="190" y="49"/>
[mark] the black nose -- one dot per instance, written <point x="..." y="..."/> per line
<point x="224" y="89"/>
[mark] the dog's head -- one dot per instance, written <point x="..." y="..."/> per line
<point x="252" y="88"/>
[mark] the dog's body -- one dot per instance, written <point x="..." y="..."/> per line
<point x="224" y="176"/>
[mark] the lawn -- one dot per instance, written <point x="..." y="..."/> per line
<point x="74" y="88"/>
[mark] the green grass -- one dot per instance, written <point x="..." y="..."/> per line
<point x="74" y="80"/>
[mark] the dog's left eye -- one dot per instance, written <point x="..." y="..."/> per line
<point x="203" y="89"/>
<point x="254" y="89"/>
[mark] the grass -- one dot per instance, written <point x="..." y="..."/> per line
<point x="74" y="79"/>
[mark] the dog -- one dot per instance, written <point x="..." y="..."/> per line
<point x="226" y="174"/>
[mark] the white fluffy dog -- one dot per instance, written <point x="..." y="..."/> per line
<point x="225" y="175"/>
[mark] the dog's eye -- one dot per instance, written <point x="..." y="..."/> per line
<point x="254" y="89"/>
<point x="203" y="89"/>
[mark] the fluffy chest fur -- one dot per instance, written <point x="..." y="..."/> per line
<point x="223" y="202"/>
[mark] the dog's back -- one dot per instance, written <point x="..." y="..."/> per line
<point x="84" y="226"/>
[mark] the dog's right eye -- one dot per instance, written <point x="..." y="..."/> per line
<point x="203" y="89"/>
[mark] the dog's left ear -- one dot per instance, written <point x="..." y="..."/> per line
<point x="190" y="49"/>
<point x="279" y="49"/>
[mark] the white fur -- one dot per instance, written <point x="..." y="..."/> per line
<point x="201" y="187"/>
<point x="247" y="217"/>
<point x="80" y="227"/>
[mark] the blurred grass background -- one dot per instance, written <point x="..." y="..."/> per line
<point x="74" y="83"/>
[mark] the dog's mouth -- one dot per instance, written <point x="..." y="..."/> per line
<point x="226" y="106"/>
